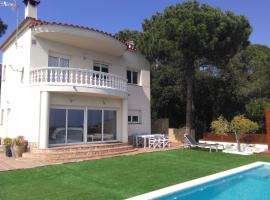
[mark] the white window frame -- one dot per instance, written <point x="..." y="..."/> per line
<point x="132" y="80"/>
<point x="99" y="64"/>
<point x="135" y="113"/>
<point x="85" y="109"/>
<point x="59" y="57"/>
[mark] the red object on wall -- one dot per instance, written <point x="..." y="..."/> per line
<point x="267" y="114"/>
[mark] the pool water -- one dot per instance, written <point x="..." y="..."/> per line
<point x="252" y="184"/>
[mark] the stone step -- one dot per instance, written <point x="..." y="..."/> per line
<point x="77" y="156"/>
<point x="78" y="152"/>
<point x="75" y="148"/>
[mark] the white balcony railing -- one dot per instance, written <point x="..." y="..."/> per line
<point x="76" y="77"/>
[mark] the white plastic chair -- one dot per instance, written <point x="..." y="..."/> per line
<point x="153" y="142"/>
<point x="166" y="142"/>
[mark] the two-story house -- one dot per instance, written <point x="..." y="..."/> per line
<point x="68" y="84"/>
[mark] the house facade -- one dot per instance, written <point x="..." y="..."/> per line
<point x="65" y="84"/>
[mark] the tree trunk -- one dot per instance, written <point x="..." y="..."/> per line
<point x="238" y="141"/>
<point x="189" y="104"/>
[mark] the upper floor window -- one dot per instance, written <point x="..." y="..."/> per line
<point x="101" y="67"/>
<point x="132" y="77"/>
<point x="58" y="62"/>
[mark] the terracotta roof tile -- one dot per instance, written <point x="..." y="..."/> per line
<point x="36" y="22"/>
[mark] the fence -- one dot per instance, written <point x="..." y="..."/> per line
<point x="245" y="138"/>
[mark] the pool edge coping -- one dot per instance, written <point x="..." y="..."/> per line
<point x="195" y="182"/>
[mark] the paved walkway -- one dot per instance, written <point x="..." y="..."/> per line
<point x="7" y="164"/>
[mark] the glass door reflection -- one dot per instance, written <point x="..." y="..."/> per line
<point x="109" y="125"/>
<point x="75" y="126"/>
<point x="94" y="125"/>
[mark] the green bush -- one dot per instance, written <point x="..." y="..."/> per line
<point x="7" y="141"/>
<point x="220" y="126"/>
<point x="18" y="141"/>
<point x="255" y="110"/>
<point x="240" y="124"/>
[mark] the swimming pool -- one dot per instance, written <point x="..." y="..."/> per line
<point x="248" y="182"/>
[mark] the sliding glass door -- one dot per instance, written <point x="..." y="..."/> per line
<point x="66" y="126"/>
<point x="57" y="129"/>
<point x="70" y="125"/>
<point x="94" y="125"/>
<point x="109" y="125"/>
<point x="101" y="125"/>
<point x="75" y="126"/>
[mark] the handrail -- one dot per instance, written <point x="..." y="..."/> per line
<point x="76" y="77"/>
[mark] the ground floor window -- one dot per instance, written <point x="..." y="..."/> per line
<point x="134" y="117"/>
<point x="81" y="125"/>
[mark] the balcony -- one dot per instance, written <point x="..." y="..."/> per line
<point x="81" y="78"/>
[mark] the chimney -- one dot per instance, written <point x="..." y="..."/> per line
<point x="31" y="8"/>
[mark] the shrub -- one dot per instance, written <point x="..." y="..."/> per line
<point x="19" y="141"/>
<point x="220" y="126"/>
<point x="240" y="124"/>
<point x="7" y="141"/>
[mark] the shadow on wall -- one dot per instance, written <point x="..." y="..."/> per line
<point x="175" y="135"/>
<point x="159" y="125"/>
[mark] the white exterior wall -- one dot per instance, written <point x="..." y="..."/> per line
<point x="20" y="104"/>
<point x="23" y="101"/>
<point x="138" y="95"/>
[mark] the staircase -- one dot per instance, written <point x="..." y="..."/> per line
<point x="78" y="152"/>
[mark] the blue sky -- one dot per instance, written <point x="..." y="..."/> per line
<point x="114" y="15"/>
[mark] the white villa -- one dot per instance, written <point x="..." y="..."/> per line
<point x="68" y="84"/>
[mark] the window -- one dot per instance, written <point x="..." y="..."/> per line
<point x="132" y="77"/>
<point x="58" y="62"/>
<point x="101" y="67"/>
<point x="134" y="116"/>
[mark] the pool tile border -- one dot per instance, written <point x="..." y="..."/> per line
<point x="195" y="182"/>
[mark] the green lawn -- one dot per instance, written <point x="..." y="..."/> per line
<point x="116" y="178"/>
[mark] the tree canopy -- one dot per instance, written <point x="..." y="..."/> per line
<point x="3" y="28"/>
<point x="189" y="35"/>
<point x="202" y="63"/>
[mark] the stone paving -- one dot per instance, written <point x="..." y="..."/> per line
<point x="7" y="163"/>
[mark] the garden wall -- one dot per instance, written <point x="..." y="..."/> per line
<point x="160" y="125"/>
<point x="245" y="138"/>
<point x="177" y="135"/>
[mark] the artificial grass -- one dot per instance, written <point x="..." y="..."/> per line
<point x="116" y="178"/>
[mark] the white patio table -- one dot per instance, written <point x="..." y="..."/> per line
<point x="145" y="137"/>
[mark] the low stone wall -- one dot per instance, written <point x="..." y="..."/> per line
<point x="177" y="135"/>
<point x="245" y="138"/>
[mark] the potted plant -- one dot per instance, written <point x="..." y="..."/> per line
<point x="7" y="146"/>
<point x="19" y="146"/>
